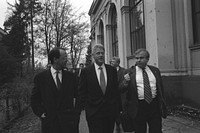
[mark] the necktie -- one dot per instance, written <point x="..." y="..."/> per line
<point x="58" y="80"/>
<point x="147" y="88"/>
<point x="102" y="80"/>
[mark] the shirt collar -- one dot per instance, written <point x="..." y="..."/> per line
<point x="97" y="66"/>
<point x="53" y="71"/>
<point x="117" y="68"/>
<point x="138" y="68"/>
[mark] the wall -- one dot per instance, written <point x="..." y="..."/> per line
<point x="182" y="90"/>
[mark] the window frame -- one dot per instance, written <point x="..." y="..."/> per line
<point x="115" y="51"/>
<point x="196" y="21"/>
<point x="137" y="31"/>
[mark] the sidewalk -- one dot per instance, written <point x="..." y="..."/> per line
<point x="177" y="124"/>
<point x="173" y="124"/>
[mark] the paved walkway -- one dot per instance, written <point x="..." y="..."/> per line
<point x="173" y="124"/>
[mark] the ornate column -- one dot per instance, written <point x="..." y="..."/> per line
<point x="108" y="44"/>
<point x="126" y="46"/>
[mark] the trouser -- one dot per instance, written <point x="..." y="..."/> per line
<point x="103" y="124"/>
<point x="148" y="114"/>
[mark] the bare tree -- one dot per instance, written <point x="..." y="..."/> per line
<point x="59" y="26"/>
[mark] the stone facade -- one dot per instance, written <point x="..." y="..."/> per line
<point x="169" y="37"/>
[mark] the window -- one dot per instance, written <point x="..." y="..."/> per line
<point x="137" y="25"/>
<point x="196" y="20"/>
<point x="114" y="33"/>
<point x="101" y="31"/>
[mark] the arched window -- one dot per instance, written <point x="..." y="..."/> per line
<point x="101" y="32"/>
<point x="196" y="21"/>
<point x="114" y="33"/>
<point x="137" y="24"/>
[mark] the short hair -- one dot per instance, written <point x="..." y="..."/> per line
<point x="54" y="53"/>
<point x="96" y="46"/>
<point x="116" y="59"/>
<point x="142" y="50"/>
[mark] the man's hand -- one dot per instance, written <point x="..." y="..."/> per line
<point x="127" y="77"/>
<point x="126" y="80"/>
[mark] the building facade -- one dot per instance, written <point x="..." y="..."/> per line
<point x="168" y="29"/>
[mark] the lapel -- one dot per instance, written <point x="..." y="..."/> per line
<point x="132" y="74"/>
<point x="95" y="79"/>
<point x="64" y="84"/>
<point x="155" y="73"/>
<point x="109" y="77"/>
<point x="51" y="82"/>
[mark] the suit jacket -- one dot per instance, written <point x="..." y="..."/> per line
<point x="59" y="106"/>
<point x="132" y="94"/>
<point x="120" y="77"/>
<point x="120" y="74"/>
<point x="92" y="98"/>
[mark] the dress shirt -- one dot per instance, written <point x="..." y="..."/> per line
<point x="117" y="68"/>
<point x="98" y="72"/>
<point x="140" y="84"/>
<point x="53" y="72"/>
<point x="79" y="72"/>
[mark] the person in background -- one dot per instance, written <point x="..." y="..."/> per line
<point x="54" y="96"/>
<point x="115" y="62"/>
<point x="99" y="93"/>
<point x="145" y="96"/>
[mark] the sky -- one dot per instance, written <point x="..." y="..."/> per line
<point x="83" y="6"/>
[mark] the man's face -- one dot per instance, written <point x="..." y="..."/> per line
<point x="99" y="56"/>
<point x="141" y="59"/>
<point x="113" y="63"/>
<point x="62" y="60"/>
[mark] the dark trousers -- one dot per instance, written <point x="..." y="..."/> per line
<point x="148" y="114"/>
<point x="55" y="126"/>
<point x="103" y="124"/>
<point x="50" y="126"/>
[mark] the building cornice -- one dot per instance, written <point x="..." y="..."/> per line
<point x="94" y="7"/>
<point x="125" y="9"/>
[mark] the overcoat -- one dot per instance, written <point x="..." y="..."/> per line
<point x="60" y="106"/>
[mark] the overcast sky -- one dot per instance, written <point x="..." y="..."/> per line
<point x="84" y="6"/>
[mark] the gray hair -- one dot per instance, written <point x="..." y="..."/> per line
<point x="96" y="46"/>
<point x="142" y="50"/>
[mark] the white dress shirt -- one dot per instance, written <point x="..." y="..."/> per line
<point x="53" y="73"/>
<point x="140" y="85"/>
<point x="98" y="72"/>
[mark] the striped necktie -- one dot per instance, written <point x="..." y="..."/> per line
<point x="147" y="88"/>
<point x="102" y="80"/>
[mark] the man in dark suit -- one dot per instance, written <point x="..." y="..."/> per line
<point x="99" y="93"/>
<point x="78" y="72"/>
<point x="145" y="96"/>
<point x="54" y="94"/>
<point x="115" y="62"/>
